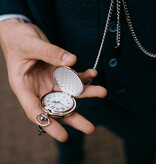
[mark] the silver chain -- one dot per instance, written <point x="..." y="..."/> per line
<point x="118" y="33"/>
<point x="129" y="22"/>
<point x="111" y="7"/>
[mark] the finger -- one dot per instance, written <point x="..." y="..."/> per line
<point x="49" y="53"/>
<point x="79" y="122"/>
<point x="88" y="75"/>
<point x="31" y="105"/>
<point x="93" y="91"/>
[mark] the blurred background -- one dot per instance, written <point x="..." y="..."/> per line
<point x="20" y="143"/>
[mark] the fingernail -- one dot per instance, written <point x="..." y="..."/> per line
<point x="67" y="57"/>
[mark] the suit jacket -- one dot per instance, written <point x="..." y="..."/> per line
<point x="129" y="109"/>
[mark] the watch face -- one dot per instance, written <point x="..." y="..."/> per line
<point x="58" y="102"/>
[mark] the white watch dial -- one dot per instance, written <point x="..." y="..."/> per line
<point x="58" y="102"/>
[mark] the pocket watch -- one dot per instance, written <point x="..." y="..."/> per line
<point x="62" y="103"/>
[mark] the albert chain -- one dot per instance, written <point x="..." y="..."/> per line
<point x="118" y="33"/>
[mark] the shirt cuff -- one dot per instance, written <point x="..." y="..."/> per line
<point x="9" y="16"/>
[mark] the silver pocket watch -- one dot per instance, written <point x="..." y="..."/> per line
<point x="62" y="103"/>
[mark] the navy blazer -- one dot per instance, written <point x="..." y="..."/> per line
<point x="129" y="109"/>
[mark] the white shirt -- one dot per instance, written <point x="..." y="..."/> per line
<point x="9" y="16"/>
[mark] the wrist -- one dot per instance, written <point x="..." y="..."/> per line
<point x="6" y="22"/>
<point x="10" y="21"/>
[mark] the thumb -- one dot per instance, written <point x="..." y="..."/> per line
<point x="52" y="54"/>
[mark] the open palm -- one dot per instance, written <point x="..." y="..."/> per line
<point x="31" y="60"/>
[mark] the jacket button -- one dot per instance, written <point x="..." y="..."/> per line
<point x="112" y="27"/>
<point x="113" y="62"/>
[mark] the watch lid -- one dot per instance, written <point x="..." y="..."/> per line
<point x="68" y="80"/>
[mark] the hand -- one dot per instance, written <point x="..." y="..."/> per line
<point x="30" y="60"/>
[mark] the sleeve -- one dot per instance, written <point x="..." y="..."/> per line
<point x="15" y="7"/>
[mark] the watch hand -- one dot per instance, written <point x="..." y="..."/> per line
<point x="62" y="104"/>
<point x="56" y="102"/>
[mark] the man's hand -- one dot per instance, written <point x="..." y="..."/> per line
<point x="30" y="60"/>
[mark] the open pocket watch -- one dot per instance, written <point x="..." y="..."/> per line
<point x="62" y="103"/>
